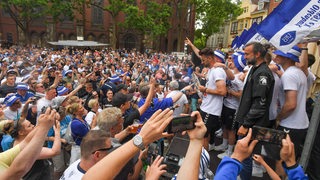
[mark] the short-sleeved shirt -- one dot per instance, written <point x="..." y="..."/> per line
<point x="73" y="172"/>
<point x="78" y="130"/>
<point x="165" y="103"/>
<point x="294" y="79"/>
<point x="211" y="103"/>
<point x="6" y="142"/>
<point x="7" y="157"/>
<point x="63" y="128"/>
<point x="181" y="102"/>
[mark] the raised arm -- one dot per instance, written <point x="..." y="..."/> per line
<point x="193" y="47"/>
<point x="149" y="98"/>
<point x="56" y="148"/>
<point x="190" y="166"/>
<point x="151" y="131"/>
<point x="24" y="161"/>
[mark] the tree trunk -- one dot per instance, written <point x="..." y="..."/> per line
<point x="114" y="33"/>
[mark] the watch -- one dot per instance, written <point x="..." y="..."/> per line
<point x="138" y="141"/>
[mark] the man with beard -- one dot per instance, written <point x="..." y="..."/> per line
<point x="256" y="97"/>
<point x="213" y="93"/>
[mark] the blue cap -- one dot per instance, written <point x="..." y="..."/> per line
<point x="22" y="86"/>
<point x="115" y="79"/>
<point x="220" y="55"/>
<point x="292" y="54"/>
<point x="10" y="100"/>
<point x="239" y="61"/>
<point x="61" y="90"/>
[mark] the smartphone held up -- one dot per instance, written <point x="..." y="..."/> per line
<point x="181" y="123"/>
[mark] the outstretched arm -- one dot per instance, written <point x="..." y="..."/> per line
<point x="193" y="47"/>
<point x="149" y="98"/>
<point x="190" y="166"/>
<point x="151" y="131"/>
<point x="24" y="161"/>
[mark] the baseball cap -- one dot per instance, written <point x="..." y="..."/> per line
<point x="119" y="98"/>
<point x="57" y="101"/>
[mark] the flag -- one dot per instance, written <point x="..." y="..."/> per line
<point x="234" y="42"/>
<point x="290" y="22"/>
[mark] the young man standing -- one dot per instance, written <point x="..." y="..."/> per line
<point x="213" y="92"/>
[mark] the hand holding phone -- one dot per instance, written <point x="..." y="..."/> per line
<point x="181" y="123"/>
<point x="268" y="135"/>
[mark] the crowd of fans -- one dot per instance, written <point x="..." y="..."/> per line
<point x="84" y="104"/>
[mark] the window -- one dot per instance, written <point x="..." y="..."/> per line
<point x="246" y="24"/>
<point x="260" y="5"/>
<point x="245" y="9"/>
<point x="234" y="28"/>
<point x="9" y="38"/>
<point x="241" y="25"/>
<point x="97" y="13"/>
<point x="257" y="20"/>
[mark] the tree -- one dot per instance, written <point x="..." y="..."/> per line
<point x="153" y="21"/>
<point x="24" y="12"/>
<point x="212" y="14"/>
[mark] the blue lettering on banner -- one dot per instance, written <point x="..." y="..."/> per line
<point x="287" y="38"/>
<point x="310" y="14"/>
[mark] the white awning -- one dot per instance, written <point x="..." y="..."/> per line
<point x="77" y="43"/>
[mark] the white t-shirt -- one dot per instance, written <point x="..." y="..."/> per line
<point x="12" y="115"/>
<point x="234" y="85"/>
<point x="273" y="109"/>
<point x="72" y="172"/>
<point x="294" y="79"/>
<point x="43" y="102"/>
<point x="181" y="102"/>
<point x="212" y="104"/>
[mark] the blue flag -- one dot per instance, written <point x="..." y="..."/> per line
<point x="290" y="22"/>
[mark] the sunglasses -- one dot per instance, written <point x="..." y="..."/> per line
<point x="103" y="149"/>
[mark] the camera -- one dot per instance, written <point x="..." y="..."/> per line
<point x="44" y="108"/>
<point x="181" y="123"/>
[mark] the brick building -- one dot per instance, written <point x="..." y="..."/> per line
<point x="98" y="27"/>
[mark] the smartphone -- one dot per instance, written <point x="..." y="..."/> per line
<point x="268" y="135"/>
<point x="181" y="123"/>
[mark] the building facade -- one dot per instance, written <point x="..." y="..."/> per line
<point x="96" y="25"/>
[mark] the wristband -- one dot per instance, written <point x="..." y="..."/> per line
<point x="290" y="167"/>
<point x="183" y="91"/>
<point x="304" y="49"/>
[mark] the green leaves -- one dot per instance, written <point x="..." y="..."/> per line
<point x="213" y="13"/>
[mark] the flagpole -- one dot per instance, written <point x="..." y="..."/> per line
<point x="311" y="135"/>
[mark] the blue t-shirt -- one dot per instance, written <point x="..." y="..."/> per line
<point x="23" y="99"/>
<point x="78" y="130"/>
<point x="165" y="103"/>
<point x="63" y="128"/>
<point x="6" y="142"/>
